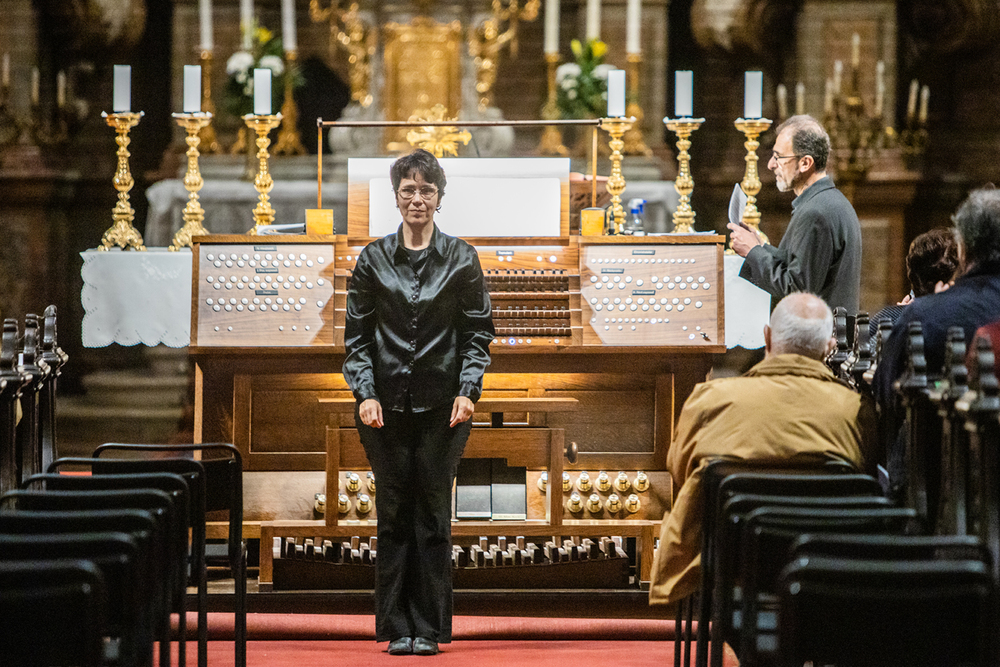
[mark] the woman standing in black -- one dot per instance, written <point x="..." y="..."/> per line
<point x="417" y="335"/>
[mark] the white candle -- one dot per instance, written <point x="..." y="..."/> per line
<point x="551" y="26"/>
<point x="192" y="88"/>
<point x="855" y="50"/>
<point x="205" y="14"/>
<point x="753" y="94"/>
<point x="616" y="93"/>
<point x="800" y="98"/>
<point x="593" y="19"/>
<point x="683" y="94"/>
<point x="782" y="95"/>
<point x="289" y="41"/>
<point x="246" y="23"/>
<point x="925" y="98"/>
<point x="879" y="88"/>
<point x="838" y="71"/>
<point x="262" y="92"/>
<point x="35" y="85"/>
<point x="5" y="76"/>
<point x="911" y="102"/>
<point x="60" y="89"/>
<point x="828" y="97"/>
<point x="633" y="23"/>
<point x="121" y="101"/>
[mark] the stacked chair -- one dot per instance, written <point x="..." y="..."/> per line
<point x="817" y="564"/>
<point x="128" y="519"/>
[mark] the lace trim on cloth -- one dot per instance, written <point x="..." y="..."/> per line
<point x="136" y="297"/>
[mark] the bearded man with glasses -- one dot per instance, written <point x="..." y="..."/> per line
<point x="820" y="251"/>
<point x="418" y="332"/>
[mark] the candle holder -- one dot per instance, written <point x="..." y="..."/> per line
<point x="289" y="139"/>
<point x="122" y="232"/>
<point x="263" y="214"/>
<point x="193" y="214"/>
<point x="750" y="184"/>
<point x="209" y="143"/>
<point x="635" y="144"/>
<point x="616" y="128"/>
<point x="684" y="183"/>
<point x="10" y="126"/>
<point x="551" y="142"/>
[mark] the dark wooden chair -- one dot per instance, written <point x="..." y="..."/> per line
<point x="35" y="373"/>
<point x="921" y="432"/>
<point x="724" y="478"/>
<point x="52" y="612"/>
<point x="766" y="536"/>
<point x="223" y="467"/>
<point x="55" y="358"/>
<point x="952" y="513"/>
<point x="11" y="383"/>
<point x="872" y="613"/>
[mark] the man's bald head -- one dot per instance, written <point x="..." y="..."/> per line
<point x="801" y="323"/>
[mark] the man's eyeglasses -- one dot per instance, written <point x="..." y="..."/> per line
<point x="777" y="158"/>
<point x="425" y="193"/>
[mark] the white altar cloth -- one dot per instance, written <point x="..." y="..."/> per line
<point x="134" y="297"/>
<point x="748" y="307"/>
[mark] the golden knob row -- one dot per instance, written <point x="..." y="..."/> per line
<point x="603" y="483"/>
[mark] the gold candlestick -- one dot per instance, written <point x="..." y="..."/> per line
<point x="635" y="144"/>
<point x="289" y="140"/>
<point x="684" y="183"/>
<point x="616" y="127"/>
<point x="209" y="143"/>
<point x="194" y="214"/>
<point x="750" y="184"/>
<point x="263" y="214"/>
<point x="122" y="232"/>
<point x="551" y="141"/>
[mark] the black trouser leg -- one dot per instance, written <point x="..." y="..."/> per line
<point x="414" y="457"/>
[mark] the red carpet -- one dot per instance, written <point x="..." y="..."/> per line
<point x="464" y="628"/>
<point x="457" y="654"/>
<point x="295" y="640"/>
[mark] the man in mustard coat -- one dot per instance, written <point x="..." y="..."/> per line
<point x="789" y="406"/>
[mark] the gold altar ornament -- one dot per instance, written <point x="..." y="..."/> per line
<point x="121" y="232"/>
<point x="486" y="41"/>
<point x="209" y="143"/>
<point x="684" y="183"/>
<point x="263" y="214"/>
<point x="357" y="38"/>
<point x="289" y="139"/>
<point x="752" y="128"/>
<point x="551" y="142"/>
<point x="635" y="143"/>
<point x="194" y="214"/>
<point x="440" y="140"/>
<point x="616" y="127"/>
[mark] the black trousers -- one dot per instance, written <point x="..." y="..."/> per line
<point x="414" y="457"/>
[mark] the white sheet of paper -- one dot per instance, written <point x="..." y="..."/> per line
<point x="484" y="197"/>
<point x="737" y="202"/>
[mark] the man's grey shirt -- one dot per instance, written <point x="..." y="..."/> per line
<point x="819" y="253"/>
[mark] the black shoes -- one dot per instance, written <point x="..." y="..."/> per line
<point x="423" y="646"/>
<point x="408" y="645"/>
<point x="403" y="646"/>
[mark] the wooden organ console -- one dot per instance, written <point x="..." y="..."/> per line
<point x="599" y="341"/>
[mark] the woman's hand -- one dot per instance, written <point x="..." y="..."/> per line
<point x="461" y="410"/>
<point x="370" y="412"/>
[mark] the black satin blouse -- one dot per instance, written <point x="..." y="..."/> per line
<point x="417" y="331"/>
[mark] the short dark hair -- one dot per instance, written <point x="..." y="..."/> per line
<point x="978" y="223"/>
<point x="418" y="162"/>
<point x="933" y="258"/>
<point x="808" y="138"/>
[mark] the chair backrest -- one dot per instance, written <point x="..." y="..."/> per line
<point x="223" y="466"/>
<point x="11" y="382"/>
<point x="868" y="613"/>
<point x="118" y="557"/>
<point x="890" y="547"/>
<point x="52" y="612"/>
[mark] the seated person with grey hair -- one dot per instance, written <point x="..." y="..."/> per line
<point x="790" y="406"/>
